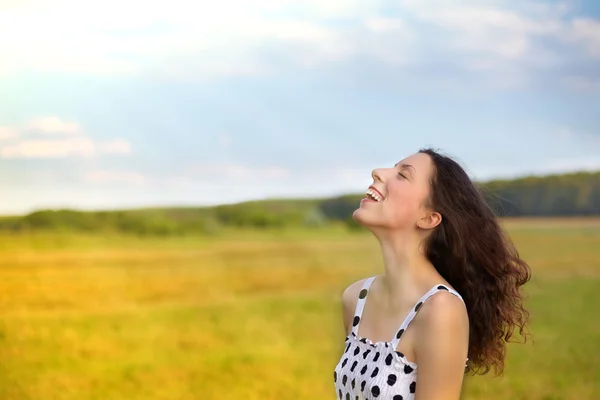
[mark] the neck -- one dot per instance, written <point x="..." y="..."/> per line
<point x="407" y="269"/>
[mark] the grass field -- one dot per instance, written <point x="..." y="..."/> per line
<point x="248" y="315"/>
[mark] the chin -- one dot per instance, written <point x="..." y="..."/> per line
<point x="359" y="216"/>
<point x="372" y="222"/>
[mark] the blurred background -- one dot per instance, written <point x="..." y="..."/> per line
<point x="177" y="181"/>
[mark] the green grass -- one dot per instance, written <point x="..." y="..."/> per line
<point x="255" y="315"/>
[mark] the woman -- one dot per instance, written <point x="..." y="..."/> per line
<point x="450" y="295"/>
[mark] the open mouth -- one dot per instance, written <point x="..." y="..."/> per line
<point x="373" y="195"/>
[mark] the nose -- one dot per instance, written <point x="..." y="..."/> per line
<point x="376" y="174"/>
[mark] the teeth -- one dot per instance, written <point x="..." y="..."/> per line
<point x="374" y="195"/>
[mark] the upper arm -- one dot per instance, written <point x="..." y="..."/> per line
<point x="349" y="300"/>
<point x="442" y="347"/>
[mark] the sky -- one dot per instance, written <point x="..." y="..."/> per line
<point x="121" y="104"/>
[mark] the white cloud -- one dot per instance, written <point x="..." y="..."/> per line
<point x="7" y="133"/>
<point x="68" y="140"/>
<point x="378" y="24"/>
<point x="491" y="30"/>
<point x="42" y="148"/>
<point x="504" y="40"/>
<point x="104" y="176"/>
<point x="132" y="36"/>
<point x="117" y="146"/>
<point x="60" y="148"/>
<point x="53" y="125"/>
<point x="587" y="31"/>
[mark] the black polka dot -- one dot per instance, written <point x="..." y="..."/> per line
<point x="357" y="397"/>
<point x="375" y="390"/>
<point x="363" y="294"/>
<point x="340" y="393"/>
<point x="353" y="334"/>
<point x="362" y="385"/>
<point x="363" y="340"/>
<point x="344" y="362"/>
<point x="347" y="396"/>
<point x="356" y="321"/>
<point x="408" y="369"/>
<point x="399" y="334"/>
<point x="392" y="379"/>
<point x="413" y="387"/>
<point x="375" y="371"/>
<point x="354" y="364"/>
<point x="388" y="359"/>
<point x="356" y="351"/>
<point x="366" y="353"/>
<point x="344" y="380"/>
<point x="400" y="354"/>
<point x="353" y="383"/>
<point x="334" y="376"/>
<point x="442" y="288"/>
<point x="347" y="348"/>
<point x="397" y="397"/>
<point x="376" y="357"/>
<point x="363" y="370"/>
<point x="418" y="306"/>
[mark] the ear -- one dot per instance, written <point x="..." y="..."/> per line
<point x="432" y="220"/>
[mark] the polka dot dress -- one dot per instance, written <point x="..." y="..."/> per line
<point x="369" y="370"/>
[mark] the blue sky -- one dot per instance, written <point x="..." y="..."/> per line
<point x="128" y="103"/>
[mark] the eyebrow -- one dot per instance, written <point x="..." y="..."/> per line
<point x="405" y="166"/>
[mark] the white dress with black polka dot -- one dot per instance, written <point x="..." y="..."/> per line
<point x="369" y="370"/>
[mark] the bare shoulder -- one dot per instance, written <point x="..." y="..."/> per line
<point x="350" y="294"/>
<point x="349" y="300"/>
<point x="444" y="310"/>
<point x="442" y="346"/>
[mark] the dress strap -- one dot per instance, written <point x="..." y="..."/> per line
<point x="360" y="304"/>
<point x="417" y="307"/>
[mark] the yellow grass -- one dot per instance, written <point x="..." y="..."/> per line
<point x="255" y="315"/>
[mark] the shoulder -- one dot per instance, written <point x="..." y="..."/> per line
<point x="442" y="346"/>
<point x="445" y="311"/>
<point x="442" y="326"/>
<point x="349" y="300"/>
<point x="350" y="294"/>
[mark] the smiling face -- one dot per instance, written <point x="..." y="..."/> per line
<point x="398" y="197"/>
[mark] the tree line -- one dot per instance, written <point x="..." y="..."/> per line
<point x="575" y="194"/>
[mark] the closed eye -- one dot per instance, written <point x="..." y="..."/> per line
<point x="402" y="175"/>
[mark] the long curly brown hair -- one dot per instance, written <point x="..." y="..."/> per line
<point x="473" y="253"/>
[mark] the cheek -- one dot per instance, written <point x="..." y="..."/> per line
<point x="402" y="205"/>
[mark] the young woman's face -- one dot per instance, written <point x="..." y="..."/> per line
<point x="401" y="193"/>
